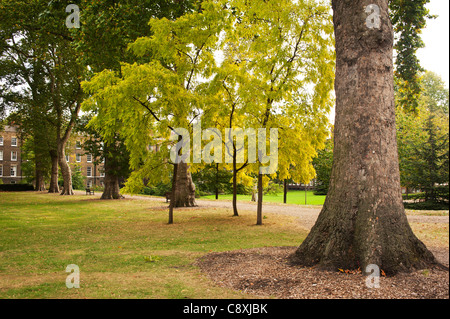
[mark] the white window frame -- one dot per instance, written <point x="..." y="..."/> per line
<point x="67" y="158"/>
<point x="1" y="170"/>
<point x="1" y="140"/>
<point x="78" y="158"/>
<point x="89" y="171"/>
<point x="1" y="155"/>
<point x="78" y="145"/>
<point x="14" y="159"/>
<point x="14" y="139"/>
<point x="13" y="169"/>
<point x="89" y="158"/>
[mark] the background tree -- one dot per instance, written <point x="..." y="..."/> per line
<point x="409" y="19"/>
<point x="35" y="38"/>
<point x="107" y="28"/>
<point x="322" y="165"/>
<point x="154" y="98"/>
<point x="285" y="50"/>
<point x="363" y="220"/>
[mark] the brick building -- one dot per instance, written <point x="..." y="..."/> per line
<point x="10" y="157"/>
<point x="78" y="158"/>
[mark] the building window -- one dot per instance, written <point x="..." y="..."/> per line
<point x="89" y="171"/>
<point x="1" y="155"/>
<point x="14" y="156"/>
<point x="78" y="158"/>
<point x="67" y="158"/>
<point x="13" y="171"/>
<point x="14" y="141"/>
<point x="102" y="173"/>
<point x="78" y="145"/>
<point x="1" y="170"/>
<point x="89" y="184"/>
<point x="1" y="140"/>
<point x="89" y="158"/>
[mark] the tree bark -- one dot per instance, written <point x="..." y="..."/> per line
<point x="54" y="188"/>
<point x="235" y="210"/>
<point x="39" y="179"/>
<point x="112" y="185"/>
<point x="185" y="188"/>
<point x="259" y="216"/>
<point x="363" y="220"/>
<point x="66" y="172"/>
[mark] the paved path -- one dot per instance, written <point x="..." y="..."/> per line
<point x="307" y="215"/>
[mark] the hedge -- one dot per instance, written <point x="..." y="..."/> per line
<point x="16" y="188"/>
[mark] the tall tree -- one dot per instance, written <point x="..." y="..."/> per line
<point x="409" y="19"/>
<point x="363" y="220"/>
<point x="157" y="97"/>
<point x="107" y="28"/>
<point x="39" y="26"/>
<point x="285" y="50"/>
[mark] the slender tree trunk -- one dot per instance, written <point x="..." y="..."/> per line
<point x="217" y="181"/>
<point x="174" y="190"/>
<point x="54" y="188"/>
<point x="260" y="200"/>
<point x="285" y="191"/>
<point x="185" y="188"/>
<point x="363" y="220"/>
<point x="235" y="210"/>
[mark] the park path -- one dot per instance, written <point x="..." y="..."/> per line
<point x="307" y="215"/>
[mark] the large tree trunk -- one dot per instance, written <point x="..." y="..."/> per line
<point x="363" y="220"/>
<point x="39" y="179"/>
<point x="54" y="188"/>
<point x="185" y="188"/>
<point x="112" y="189"/>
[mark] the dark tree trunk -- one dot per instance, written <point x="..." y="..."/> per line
<point x="363" y="220"/>
<point x="285" y="191"/>
<point x="112" y="185"/>
<point x="54" y="188"/>
<point x="39" y="179"/>
<point x="217" y="181"/>
<point x="185" y="188"/>
<point x="259" y="216"/>
<point x="235" y="210"/>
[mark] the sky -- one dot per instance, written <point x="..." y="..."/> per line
<point x="435" y="56"/>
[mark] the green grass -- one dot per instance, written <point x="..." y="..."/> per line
<point x="124" y="249"/>
<point x="293" y="197"/>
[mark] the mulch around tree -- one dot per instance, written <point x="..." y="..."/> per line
<point x="265" y="272"/>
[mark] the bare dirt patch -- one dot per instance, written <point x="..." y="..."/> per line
<point x="265" y="272"/>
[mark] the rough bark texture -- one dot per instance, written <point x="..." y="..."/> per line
<point x="363" y="220"/>
<point x="54" y="188"/>
<point x="185" y="188"/>
<point x="112" y="185"/>
<point x="39" y="180"/>
<point x="66" y="172"/>
<point x="111" y="189"/>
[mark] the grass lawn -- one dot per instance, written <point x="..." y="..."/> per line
<point x="293" y="197"/>
<point x="124" y="249"/>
